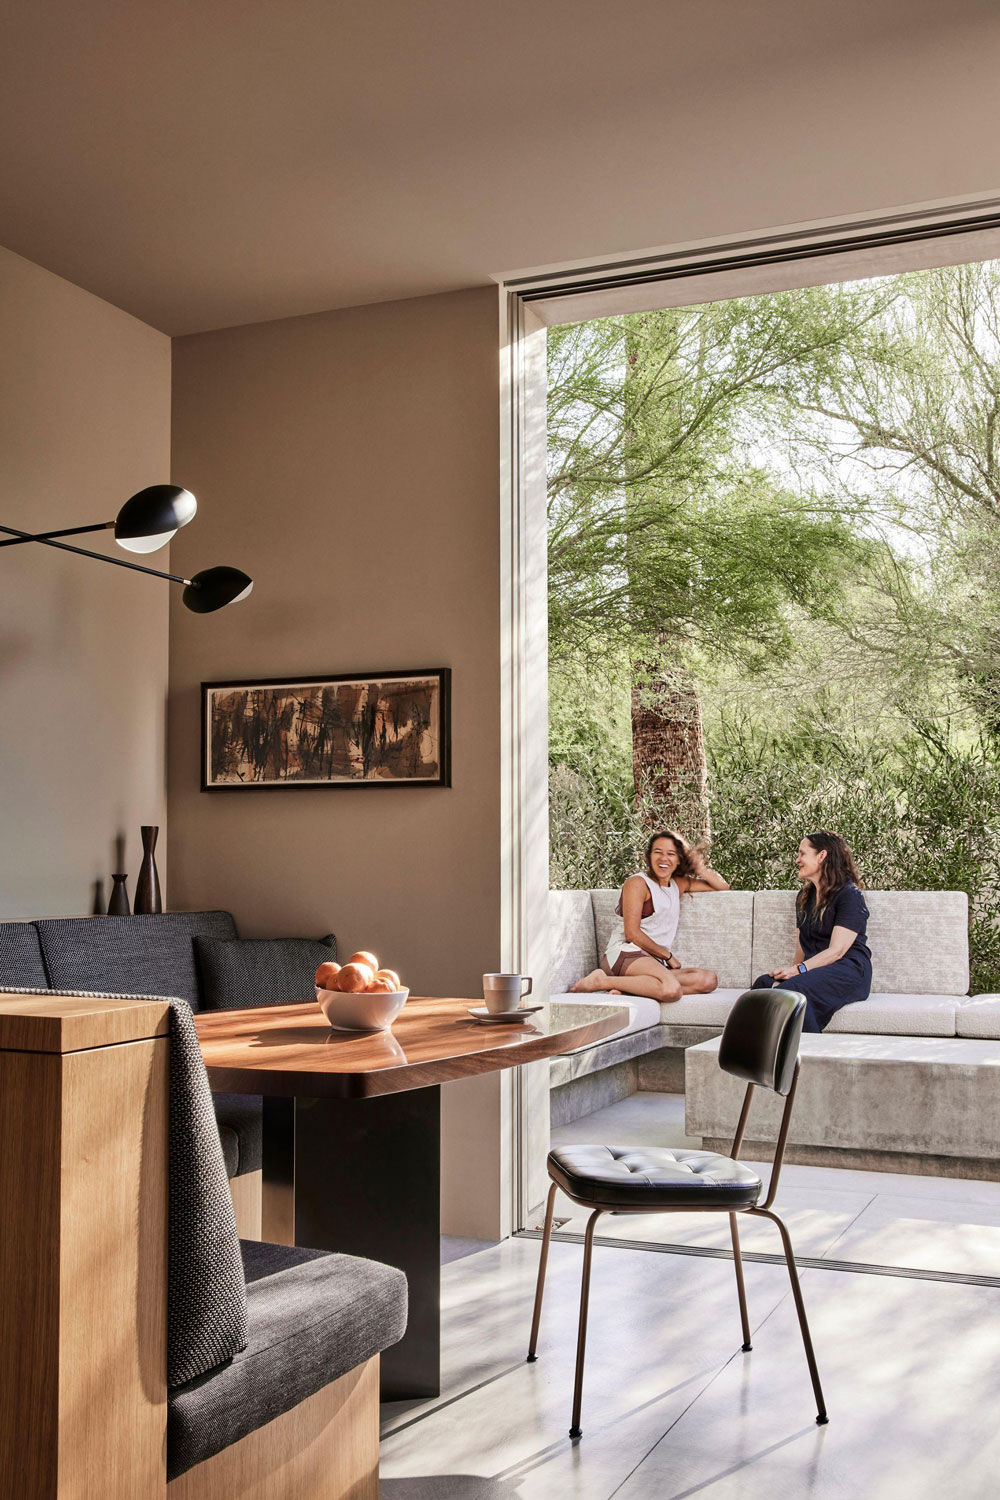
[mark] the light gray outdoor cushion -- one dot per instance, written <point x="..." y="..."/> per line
<point x="919" y="940"/>
<point x="130" y="955"/>
<point x="979" y="1017"/>
<point x="715" y="931"/>
<point x="21" y="965"/>
<point x="571" y="945"/>
<point x="312" y="1317"/>
<point x="899" y="1015"/>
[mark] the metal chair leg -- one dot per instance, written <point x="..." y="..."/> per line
<point x="740" y="1285"/>
<point x="800" y="1308"/>
<point x="575" y="1430"/>
<point x="540" y="1284"/>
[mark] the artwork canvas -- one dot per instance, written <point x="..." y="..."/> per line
<point x="375" y="729"/>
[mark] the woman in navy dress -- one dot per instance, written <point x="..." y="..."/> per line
<point x="832" y="965"/>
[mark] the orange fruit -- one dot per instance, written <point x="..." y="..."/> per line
<point x="389" y="974"/>
<point x="364" y="957"/>
<point x="381" y="986"/>
<point x="326" y="976"/>
<point x="355" y="977"/>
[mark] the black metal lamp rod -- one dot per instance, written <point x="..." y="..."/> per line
<point x="118" y="562"/>
<point x="46" y="536"/>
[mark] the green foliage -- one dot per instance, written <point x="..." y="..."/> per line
<point x="799" y="497"/>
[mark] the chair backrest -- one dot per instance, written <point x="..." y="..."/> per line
<point x="760" y="1042"/>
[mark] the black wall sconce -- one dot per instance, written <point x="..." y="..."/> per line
<point x="143" y="524"/>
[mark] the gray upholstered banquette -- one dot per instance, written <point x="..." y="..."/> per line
<point x="144" y="955"/>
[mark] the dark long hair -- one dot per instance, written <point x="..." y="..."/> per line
<point x="838" y="870"/>
<point x="685" y="852"/>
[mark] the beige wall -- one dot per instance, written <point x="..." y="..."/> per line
<point x="84" y="423"/>
<point x="349" y="462"/>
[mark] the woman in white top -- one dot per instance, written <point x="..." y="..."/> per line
<point x="639" y="960"/>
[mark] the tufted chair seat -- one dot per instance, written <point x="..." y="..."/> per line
<point x="631" y="1179"/>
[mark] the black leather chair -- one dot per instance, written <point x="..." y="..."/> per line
<point x="760" y="1043"/>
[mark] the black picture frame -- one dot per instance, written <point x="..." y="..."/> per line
<point x="250" y="756"/>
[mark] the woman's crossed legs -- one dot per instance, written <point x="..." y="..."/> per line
<point x="649" y="977"/>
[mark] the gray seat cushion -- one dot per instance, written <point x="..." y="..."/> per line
<point x="240" y="1119"/>
<point x="313" y="1316"/>
<point x="21" y="965"/>
<point x="620" y="1178"/>
<point x="130" y="955"/>
<point x="241" y="972"/>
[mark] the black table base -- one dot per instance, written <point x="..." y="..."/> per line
<point x="363" y="1176"/>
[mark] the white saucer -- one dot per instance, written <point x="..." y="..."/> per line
<point x="480" y="1013"/>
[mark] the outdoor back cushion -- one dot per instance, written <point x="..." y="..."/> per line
<point x="240" y="972"/>
<point x="919" y="940"/>
<point x="130" y="955"/>
<point x="21" y="965"/>
<point x="714" y="932"/>
<point x="573" y="951"/>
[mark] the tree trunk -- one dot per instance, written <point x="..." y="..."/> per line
<point x="669" y="768"/>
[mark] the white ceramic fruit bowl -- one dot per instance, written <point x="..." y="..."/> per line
<point x="347" y="1010"/>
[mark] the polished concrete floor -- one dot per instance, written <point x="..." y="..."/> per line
<point x="673" y="1408"/>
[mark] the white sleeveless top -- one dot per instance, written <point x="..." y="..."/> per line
<point x="660" y="924"/>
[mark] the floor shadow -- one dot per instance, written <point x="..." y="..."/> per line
<point x="447" y="1487"/>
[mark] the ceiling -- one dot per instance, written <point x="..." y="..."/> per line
<point x="204" y="163"/>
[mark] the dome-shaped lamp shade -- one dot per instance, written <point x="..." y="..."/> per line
<point x="151" y="517"/>
<point x="213" y="588"/>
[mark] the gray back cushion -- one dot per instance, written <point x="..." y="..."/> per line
<point x="243" y="972"/>
<point x="130" y="955"/>
<point x="573" y="948"/>
<point x="919" y="940"/>
<point x="206" y="1289"/>
<point x="21" y="965"/>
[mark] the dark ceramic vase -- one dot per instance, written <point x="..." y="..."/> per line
<point x="118" y="905"/>
<point x="148" y="901"/>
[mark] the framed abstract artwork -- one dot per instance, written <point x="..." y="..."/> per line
<point x="368" y="729"/>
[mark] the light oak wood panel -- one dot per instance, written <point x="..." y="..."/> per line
<point x="66" y="1023"/>
<point x="83" y="1182"/>
<point x="246" y="1193"/>
<point x="290" y="1050"/>
<point x="324" y="1449"/>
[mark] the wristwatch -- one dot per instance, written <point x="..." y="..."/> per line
<point x="802" y="969"/>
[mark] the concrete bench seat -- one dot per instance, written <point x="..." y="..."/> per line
<point x="922" y="1104"/>
<point x="920" y="953"/>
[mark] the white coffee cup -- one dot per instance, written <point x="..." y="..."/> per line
<point x="504" y="991"/>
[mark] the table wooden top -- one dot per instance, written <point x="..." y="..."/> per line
<point x="291" y="1050"/>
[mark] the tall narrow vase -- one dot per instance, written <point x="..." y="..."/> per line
<point x="118" y="904"/>
<point x="147" y="887"/>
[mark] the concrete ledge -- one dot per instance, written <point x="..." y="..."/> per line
<point x="979" y="1169"/>
<point x="616" y="1049"/>
<point x="908" y="1096"/>
<point x="591" y="1092"/>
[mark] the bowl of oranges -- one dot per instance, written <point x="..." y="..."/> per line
<point x="358" y="995"/>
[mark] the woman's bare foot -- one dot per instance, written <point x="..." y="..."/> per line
<point x="590" y="983"/>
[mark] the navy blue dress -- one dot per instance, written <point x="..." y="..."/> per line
<point x="837" y="984"/>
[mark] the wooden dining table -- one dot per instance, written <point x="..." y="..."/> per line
<point x="352" y="1131"/>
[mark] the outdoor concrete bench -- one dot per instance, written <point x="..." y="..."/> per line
<point x="920" y="956"/>
<point x="880" y="1103"/>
